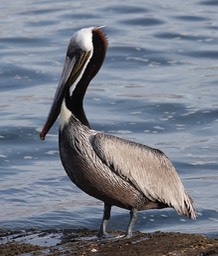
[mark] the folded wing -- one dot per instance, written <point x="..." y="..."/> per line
<point x="149" y="170"/>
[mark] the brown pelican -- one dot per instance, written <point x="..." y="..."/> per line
<point x="116" y="171"/>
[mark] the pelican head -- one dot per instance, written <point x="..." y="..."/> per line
<point x="85" y="55"/>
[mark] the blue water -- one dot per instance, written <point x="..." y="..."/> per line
<point x="158" y="86"/>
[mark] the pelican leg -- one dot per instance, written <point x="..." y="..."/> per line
<point x="133" y="217"/>
<point x="106" y="216"/>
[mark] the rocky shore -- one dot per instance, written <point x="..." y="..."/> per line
<point x="84" y="242"/>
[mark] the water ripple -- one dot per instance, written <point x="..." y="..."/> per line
<point x="142" y="22"/>
<point x="187" y="18"/>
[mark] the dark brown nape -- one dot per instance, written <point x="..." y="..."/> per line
<point x="100" y="44"/>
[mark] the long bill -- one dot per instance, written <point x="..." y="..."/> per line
<point x="72" y="72"/>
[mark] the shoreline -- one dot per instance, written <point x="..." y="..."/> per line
<point x="84" y="242"/>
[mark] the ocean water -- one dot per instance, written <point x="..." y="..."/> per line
<point x="158" y="86"/>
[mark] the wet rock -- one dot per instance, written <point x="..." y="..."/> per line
<point x="84" y="242"/>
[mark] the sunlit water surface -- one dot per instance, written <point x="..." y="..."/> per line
<point x="158" y="86"/>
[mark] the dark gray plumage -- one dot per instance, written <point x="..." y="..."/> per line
<point x="117" y="171"/>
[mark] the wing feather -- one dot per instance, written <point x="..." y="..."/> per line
<point x="148" y="169"/>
